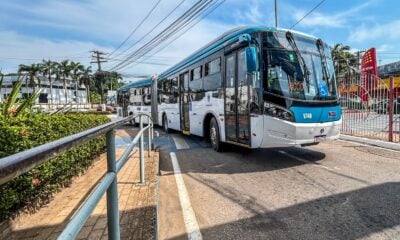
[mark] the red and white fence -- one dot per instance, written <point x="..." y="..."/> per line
<point x="371" y="107"/>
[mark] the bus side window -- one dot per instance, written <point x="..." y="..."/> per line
<point x="174" y="90"/>
<point x="212" y="80"/>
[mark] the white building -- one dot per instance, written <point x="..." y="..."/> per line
<point x="55" y="95"/>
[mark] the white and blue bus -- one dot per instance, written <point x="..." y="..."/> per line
<point x="134" y="98"/>
<point x="257" y="87"/>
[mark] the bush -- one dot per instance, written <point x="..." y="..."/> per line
<point x="36" y="187"/>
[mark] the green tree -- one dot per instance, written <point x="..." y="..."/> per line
<point x="76" y="71"/>
<point x="112" y="81"/>
<point x="48" y="68"/>
<point x="87" y="79"/>
<point x="343" y="59"/>
<point x="65" y="71"/>
<point x="99" y="84"/>
<point x="32" y="71"/>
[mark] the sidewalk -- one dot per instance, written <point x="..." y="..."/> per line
<point x="137" y="204"/>
<point x="374" y="142"/>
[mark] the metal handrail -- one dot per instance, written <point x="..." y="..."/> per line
<point x="17" y="164"/>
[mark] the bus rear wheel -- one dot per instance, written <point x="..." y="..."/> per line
<point x="214" y="136"/>
<point x="165" y="124"/>
<point x="132" y="122"/>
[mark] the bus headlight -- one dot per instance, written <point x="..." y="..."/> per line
<point x="278" y="112"/>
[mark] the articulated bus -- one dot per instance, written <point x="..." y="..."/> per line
<point x="257" y="87"/>
<point x="134" y="98"/>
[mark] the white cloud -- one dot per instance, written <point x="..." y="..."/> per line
<point x="95" y="24"/>
<point x="107" y="20"/>
<point x="336" y="20"/>
<point x="388" y="31"/>
<point x="16" y="49"/>
<point x="384" y="47"/>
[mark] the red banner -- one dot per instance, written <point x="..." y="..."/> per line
<point x="369" y="73"/>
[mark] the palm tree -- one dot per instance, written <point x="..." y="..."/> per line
<point x="99" y="84"/>
<point x="343" y="59"/>
<point x="115" y="76"/>
<point x="86" y="79"/>
<point x="48" y="68"/>
<point x="32" y="71"/>
<point x="76" y="70"/>
<point x="1" y="81"/>
<point x="65" y="71"/>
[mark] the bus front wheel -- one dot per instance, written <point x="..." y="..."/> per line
<point x="214" y="135"/>
<point x="165" y="123"/>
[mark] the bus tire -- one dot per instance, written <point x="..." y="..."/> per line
<point x="132" y="122"/>
<point x="214" y="136"/>
<point x="165" y="123"/>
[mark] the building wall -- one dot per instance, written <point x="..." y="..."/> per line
<point x="57" y="91"/>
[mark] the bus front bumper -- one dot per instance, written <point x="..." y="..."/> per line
<point x="279" y="133"/>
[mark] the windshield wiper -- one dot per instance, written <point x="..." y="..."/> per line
<point x="322" y="55"/>
<point x="306" y="72"/>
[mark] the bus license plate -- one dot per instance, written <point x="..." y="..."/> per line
<point x="320" y="138"/>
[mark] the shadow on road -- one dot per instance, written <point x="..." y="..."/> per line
<point x="239" y="160"/>
<point x="349" y="215"/>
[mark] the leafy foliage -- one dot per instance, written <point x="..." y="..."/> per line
<point x="36" y="187"/>
<point x="344" y="59"/>
<point x="14" y="107"/>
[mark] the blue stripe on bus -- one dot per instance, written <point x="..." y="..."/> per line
<point x="141" y="83"/>
<point x="316" y="114"/>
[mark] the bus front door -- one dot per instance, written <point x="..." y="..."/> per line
<point x="184" y="102"/>
<point x="237" y="116"/>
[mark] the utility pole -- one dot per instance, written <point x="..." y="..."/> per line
<point x="97" y="57"/>
<point x="276" y="13"/>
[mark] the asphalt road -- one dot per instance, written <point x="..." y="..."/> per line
<point x="335" y="190"/>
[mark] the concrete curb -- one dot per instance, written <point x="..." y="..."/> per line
<point x="373" y="142"/>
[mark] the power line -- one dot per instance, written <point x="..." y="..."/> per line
<point x="312" y="10"/>
<point x="151" y="30"/>
<point x="137" y="27"/>
<point x="164" y="34"/>
<point x="191" y="26"/>
<point x="169" y="43"/>
<point x="172" y="29"/>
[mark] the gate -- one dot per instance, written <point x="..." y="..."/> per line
<point x="370" y="109"/>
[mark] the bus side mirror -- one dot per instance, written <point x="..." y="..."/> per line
<point x="251" y="59"/>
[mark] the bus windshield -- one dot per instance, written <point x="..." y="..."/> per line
<point x="297" y="69"/>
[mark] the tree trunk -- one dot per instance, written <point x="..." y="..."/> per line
<point x="51" y="90"/>
<point x="65" y="90"/>
<point x="101" y="92"/>
<point x="87" y="94"/>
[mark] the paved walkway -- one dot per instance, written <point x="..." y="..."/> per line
<point x="137" y="203"/>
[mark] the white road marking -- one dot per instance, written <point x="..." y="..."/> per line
<point x="189" y="217"/>
<point x="157" y="133"/>
<point x="180" y="143"/>
<point x="307" y="161"/>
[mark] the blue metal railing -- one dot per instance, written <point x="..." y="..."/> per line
<point x="17" y="164"/>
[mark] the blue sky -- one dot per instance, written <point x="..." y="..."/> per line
<point x="33" y="30"/>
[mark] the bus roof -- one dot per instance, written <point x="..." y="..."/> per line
<point x="217" y="44"/>
<point x="141" y="83"/>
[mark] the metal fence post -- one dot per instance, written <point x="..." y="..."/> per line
<point x="149" y="136"/>
<point x="141" y="151"/>
<point x="112" y="191"/>
<point x="391" y="108"/>
<point x="152" y="132"/>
